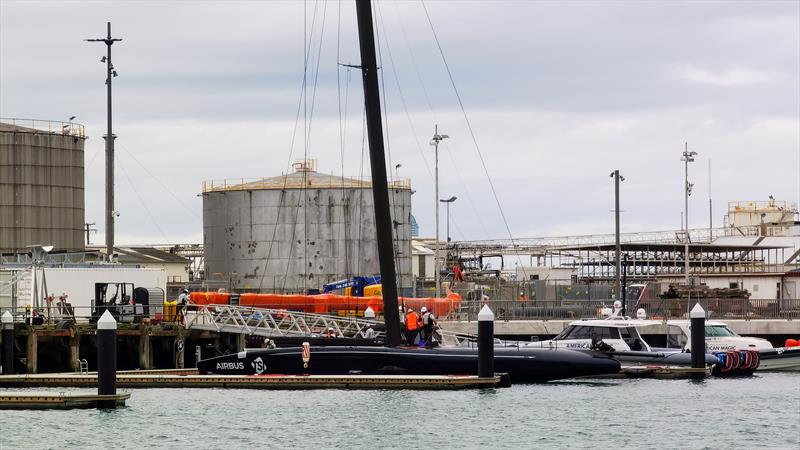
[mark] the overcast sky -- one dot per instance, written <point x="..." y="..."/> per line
<point x="558" y="94"/>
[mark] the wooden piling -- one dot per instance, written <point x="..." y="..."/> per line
<point x="145" y="353"/>
<point x="179" y="348"/>
<point x="31" y="351"/>
<point x="241" y="341"/>
<point x="74" y="350"/>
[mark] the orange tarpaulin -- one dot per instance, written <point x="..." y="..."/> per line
<point x="326" y="303"/>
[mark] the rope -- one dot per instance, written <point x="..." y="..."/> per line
<point x="191" y="211"/>
<point x="300" y="102"/>
<point x="472" y="134"/>
<point x="136" y="192"/>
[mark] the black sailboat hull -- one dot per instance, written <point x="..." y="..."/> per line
<point x="523" y="365"/>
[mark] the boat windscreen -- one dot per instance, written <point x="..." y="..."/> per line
<point x="586" y="332"/>
<point x="719" y="331"/>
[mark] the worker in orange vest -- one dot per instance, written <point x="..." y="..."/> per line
<point x="412" y="326"/>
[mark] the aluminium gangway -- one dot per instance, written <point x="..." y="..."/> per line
<point x="271" y="323"/>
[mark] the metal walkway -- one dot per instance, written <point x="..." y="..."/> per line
<point x="271" y="323"/>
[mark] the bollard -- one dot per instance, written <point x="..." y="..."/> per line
<point x="698" y="328"/>
<point x="485" y="342"/>
<point x="8" y="343"/>
<point x="198" y="354"/>
<point x="106" y="355"/>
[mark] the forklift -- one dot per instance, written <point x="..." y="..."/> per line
<point x="124" y="301"/>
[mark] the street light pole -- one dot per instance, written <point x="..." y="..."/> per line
<point x="435" y="143"/>
<point x="109" y="138"/>
<point x="618" y="248"/>
<point x="448" y="201"/>
<point x="687" y="191"/>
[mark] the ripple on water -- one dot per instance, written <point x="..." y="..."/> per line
<point x="716" y="413"/>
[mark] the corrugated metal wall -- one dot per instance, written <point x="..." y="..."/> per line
<point x="41" y="190"/>
<point x="259" y="239"/>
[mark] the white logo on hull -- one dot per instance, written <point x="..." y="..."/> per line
<point x="259" y="366"/>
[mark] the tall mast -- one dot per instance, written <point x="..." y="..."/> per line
<point x="377" y="160"/>
<point x="109" y="138"/>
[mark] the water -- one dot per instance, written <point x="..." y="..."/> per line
<point x="762" y="411"/>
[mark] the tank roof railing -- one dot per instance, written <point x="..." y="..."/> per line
<point x="50" y="126"/>
<point x="332" y="182"/>
<point x="762" y="206"/>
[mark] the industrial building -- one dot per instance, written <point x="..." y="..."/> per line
<point x="298" y="231"/>
<point x="41" y="184"/>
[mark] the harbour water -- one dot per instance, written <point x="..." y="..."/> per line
<point x="758" y="412"/>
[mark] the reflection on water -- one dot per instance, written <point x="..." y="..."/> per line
<point x="723" y="413"/>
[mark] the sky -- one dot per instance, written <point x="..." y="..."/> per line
<point x="555" y="95"/>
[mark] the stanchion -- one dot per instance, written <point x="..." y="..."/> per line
<point x="8" y="343"/>
<point x="485" y="342"/>
<point x="107" y="355"/>
<point x="698" y="329"/>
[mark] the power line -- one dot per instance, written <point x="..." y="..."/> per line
<point x="469" y="127"/>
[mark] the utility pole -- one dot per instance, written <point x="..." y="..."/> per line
<point x="687" y="191"/>
<point x="618" y="249"/>
<point x="87" y="227"/>
<point x="435" y="143"/>
<point x="109" y="138"/>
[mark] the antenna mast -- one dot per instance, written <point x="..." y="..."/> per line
<point x="109" y="138"/>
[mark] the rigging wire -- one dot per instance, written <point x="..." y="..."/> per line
<point x="141" y="200"/>
<point x="472" y="133"/>
<point x="191" y="211"/>
<point x="288" y="166"/>
<point x="402" y="97"/>
<point x="464" y="184"/>
<point x="385" y="103"/>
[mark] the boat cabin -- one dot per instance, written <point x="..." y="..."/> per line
<point x="719" y="337"/>
<point x="620" y="333"/>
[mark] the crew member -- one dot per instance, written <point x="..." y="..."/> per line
<point x="370" y="333"/>
<point x="523" y="297"/>
<point x="183" y="304"/>
<point x="428" y="324"/>
<point x="412" y="326"/>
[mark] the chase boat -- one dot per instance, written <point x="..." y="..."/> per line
<point x="618" y="337"/>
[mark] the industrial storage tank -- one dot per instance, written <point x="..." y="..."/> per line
<point x="296" y="232"/>
<point x="41" y="184"/>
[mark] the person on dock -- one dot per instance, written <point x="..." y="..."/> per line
<point x="412" y="326"/>
<point x="428" y="326"/>
<point x="183" y="304"/>
<point x="330" y="334"/>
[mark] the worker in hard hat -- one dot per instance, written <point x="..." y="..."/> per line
<point x="412" y="326"/>
<point x="428" y="325"/>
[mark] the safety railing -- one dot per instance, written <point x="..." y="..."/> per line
<point x="331" y="182"/>
<point x="50" y="126"/>
<point x="728" y="308"/>
<point x="273" y="323"/>
<point x="351" y="323"/>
